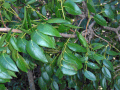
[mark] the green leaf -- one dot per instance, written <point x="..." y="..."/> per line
<point x="43" y="40"/>
<point x="98" y="56"/>
<point x="72" y="8"/>
<point x="2" y="39"/>
<point x="49" y="70"/>
<point x="113" y="53"/>
<point x="2" y="48"/>
<point x="58" y="20"/>
<point x="44" y="11"/>
<point x="77" y="0"/>
<point x="76" y="47"/>
<point x="42" y="84"/>
<point x="97" y="46"/>
<point x="108" y="64"/>
<point x="92" y="65"/>
<point x="2" y="87"/>
<point x="6" y="5"/>
<point x="11" y="73"/>
<point x="84" y="59"/>
<point x="4" y="81"/>
<point x="89" y="75"/>
<point x="54" y="85"/>
<point x="106" y="72"/>
<point x="109" y="13"/>
<point x="48" y="29"/>
<point x="13" y="41"/>
<point x="7" y="62"/>
<point x="91" y="8"/>
<point x="104" y="83"/>
<point x="22" y="64"/>
<point x="100" y="20"/>
<point x="45" y="77"/>
<point x="71" y="26"/>
<point x="21" y="43"/>
<point x="35" y="51"/>
<point x="31" y="2"/>
<point x="6" y="15"/>
<point x="59" y="73"/>
<point x="82" y="40"/>
<point x="4" y="74"/>
<point x="68" y="71"/>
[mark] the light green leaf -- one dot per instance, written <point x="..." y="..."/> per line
<point x="31" y="2"/>
<point x="106" y="72"/>
<point x="58" y="20"/>
<point x="35" y="51"/>
<point x="89" y="75"/>
<point x="100" y="20"/>
<point x="98" y="56"/>
<point x="77" y="0"/>
<point x="76" y="47"/>
<point x="71" y="26"/>
<point x="45" y="77"/>
<point x="109" y="13"/>
<point x="7" y="62"/>
<point x="72" y="8"/>
<point x="97" y="46"/>
<point x="84" y="59"/>
<point x="48" y="29"/>
<point x="6" y="5"/>
<point x="92" y="65"/>
<point x="43" y="40"/>
<point x="113" y="53"/>
<point x="2" y="87"/>
<point x="2" y="48"/>
<point x="4" y="81"/>
<point x="22" y="64"/>
<point x="108" y="64"/>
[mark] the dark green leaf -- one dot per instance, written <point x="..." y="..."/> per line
<point x="71" y="26"/>
<point x="108" y="64"/>
<point x="98" y="56"/>
<point x="91" y="8"/>
<point x="35" y="51"/>
<point x="45" y="77"/>
<point x="44" y="11"/>
<point x="76" y="47"/>
<point x="100" y="20"/>
<point x="113" y="53"/>
<point x="21" y="43"/>
<point x="54" y="85"/>
<point x="48" y="29"/>
<point x="3" y="48"/>
<point x="109" y="13"/>
<point x="42" y="84"/>
<point x="89" y="75"/>
<point x="2" y="39"/>
<point x="106" y="72"/>
<point x="7" y="62"/>
<point x="31" y="2"/>
<point x="92" y="65"/>
<point x="49" y="70"/>
<point x="97" y="46"/>
<point x="59" y="73"/>
<point x="43" y="40"/>
<point x="72" y="8"/>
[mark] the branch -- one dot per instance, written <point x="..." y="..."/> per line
<point x="19" y="31"/>
<point x="112" y="29"/>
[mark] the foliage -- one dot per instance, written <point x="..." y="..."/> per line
<point x="44" y="34"/>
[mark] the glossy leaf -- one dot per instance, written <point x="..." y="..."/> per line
<point x="35" y="51"/>
<point x="7" y="62"/>
<point x="106" y="72"/>
<point x="89" y="75"/>
<point x="48" y="29"/>
<point x="84" y="59"/>
<point x="42" y="84"/>
<point x="21" y="44"/>
<point x="97" y="46"/>
<point x="45" y="77"/>
<point x="109" y="13"/>
<point x="76" y="47"/>
<point x="58" y="20"/>
<point x="13" y="41"/>
<point x="22" y="64"/>
<point x="77" y="0"/>
<point x="4" y="80"/>
<point x="108" y="64"/>
<point x="72" y="8"/>
<point x="59" y="73"/>
<point x="91" y="8"/>
<point x="98" y="56"/>
<point x="43" y="40"/>
<point x="49" y="70"/>
<point x="54" y="85"/>
<point x="92" y="65"/>
<point x="113" y="53"/>
<point x="82" y="40"/>
<point x="100" y="20"/>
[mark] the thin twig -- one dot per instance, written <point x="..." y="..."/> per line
<point x="2" y="20"/>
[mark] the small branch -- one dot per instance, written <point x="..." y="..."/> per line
<point x="112" y="29"/>
<point x="31" y="80"/>
<point x="2" y="20"/>
<point x="8" y="29"/>
<point x="68" y="35"/>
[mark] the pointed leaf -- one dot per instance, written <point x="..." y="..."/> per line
<point x="42" y="84"/>
<point x="4" y="80"/>
<point x="72" y="8"/>
<point x="35" y="51"/>
<point x="7" y="62"/>
<point x="43" y="40"/>
<point x="108" y="64"/>
<point x="91" y="8"/>
<point x="76" y="47"/>
<point x="109" y="13"/>
<point x="113" y="53"/>
<point x="106" y="72"/>
<point x="45" y="77"/>
<point x="92" y="65"/>
<point x="98" y="56"/>
<point x="89" y="75"/>
<point x="100" y="20"/>
<point x="54" y="85"/>
<point x="48" y="29"/>
<point x="97" y="46"/>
